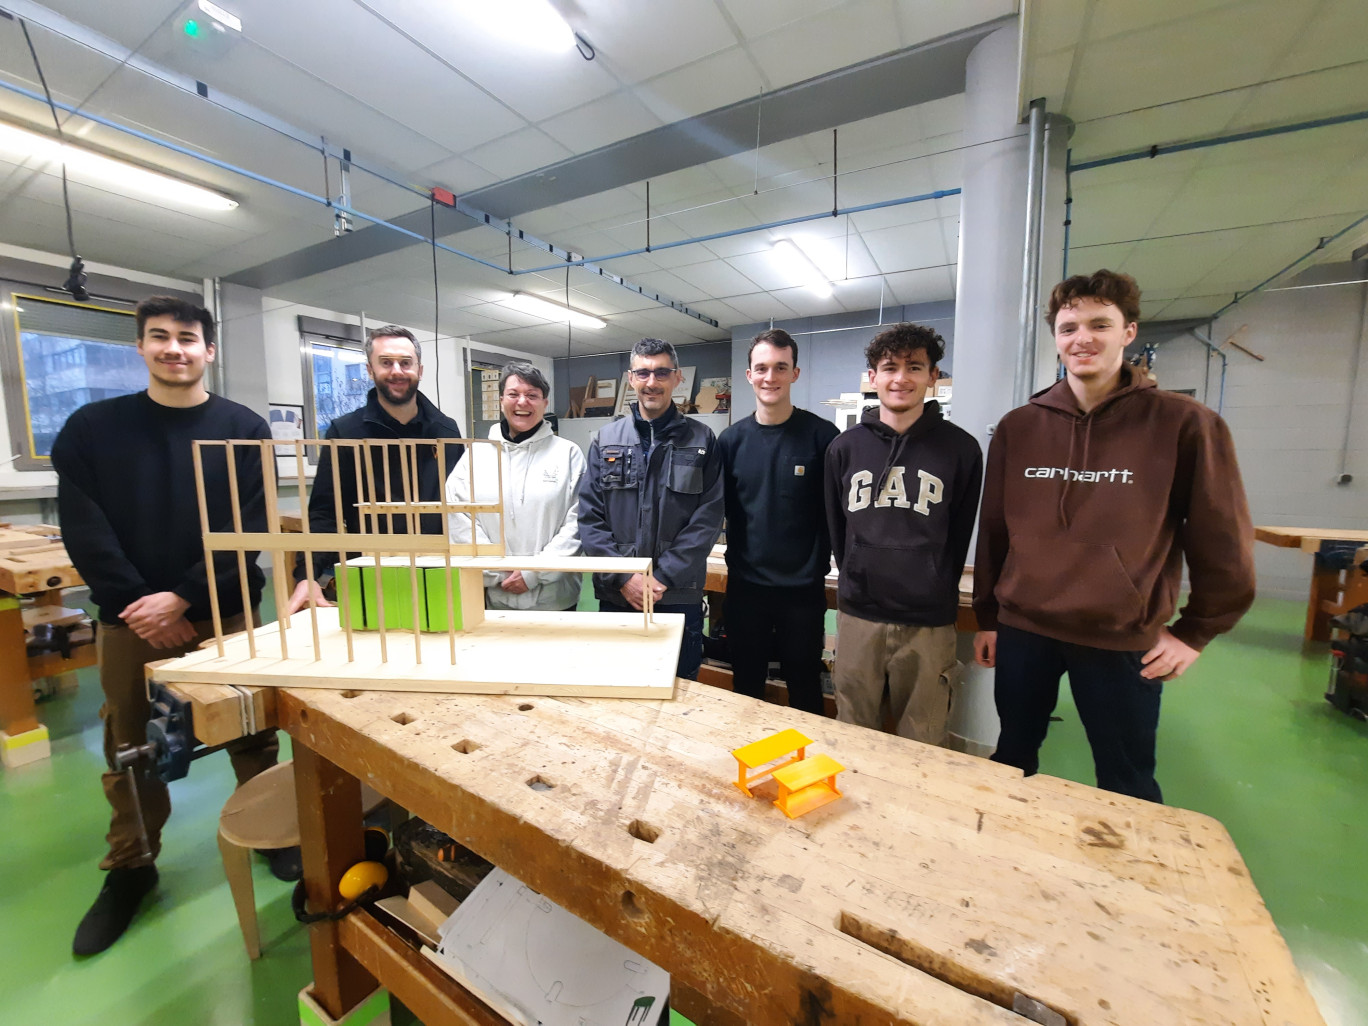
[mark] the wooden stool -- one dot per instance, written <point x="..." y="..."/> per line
<point x="262" y="814"/>
<point x="259" y="814"/>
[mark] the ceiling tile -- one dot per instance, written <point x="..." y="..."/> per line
<point x="714" y="81"/>
<point x="832" y="39"/>
<point x="527" y="149"/>
<point x="600" y="122"/>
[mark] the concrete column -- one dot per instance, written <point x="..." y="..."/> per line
<point x="988" y="297"/>
<point x="242" y="347"/>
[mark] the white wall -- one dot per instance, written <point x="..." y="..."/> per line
<point x="1288" y="412"/>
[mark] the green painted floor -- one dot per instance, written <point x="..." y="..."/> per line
<point x="1246" y="737"/>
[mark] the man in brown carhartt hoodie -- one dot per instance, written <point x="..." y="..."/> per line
<point x="1094" y="493"/>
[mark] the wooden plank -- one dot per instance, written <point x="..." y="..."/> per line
<point x="58" y="616"/>
<point x="435" y="998"/>
<point x="938" y="885"/>
<point x="217" y="710"/>
<point x="329" y="803"/>
<point x="524" y="653"/>
<point x="1298" y="537"/>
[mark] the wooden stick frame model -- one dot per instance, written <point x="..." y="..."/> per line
<point x="273" y="655"/>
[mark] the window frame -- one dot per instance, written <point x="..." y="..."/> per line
<point x="329" y="333"/>
<point x="17" y="412"/>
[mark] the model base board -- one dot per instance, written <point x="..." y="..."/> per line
<point x="605" y="655"/>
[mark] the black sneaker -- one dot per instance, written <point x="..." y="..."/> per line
<point x="108" y="918"/>
<point x="286" y="863"/>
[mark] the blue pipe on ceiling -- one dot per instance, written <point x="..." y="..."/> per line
<point x="1221" y="140"/>
<point x="938" y="194"/>
<point x="251" y="175"/>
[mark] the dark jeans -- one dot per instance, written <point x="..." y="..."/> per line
<point x="691" y="648"/>
<point x="788" y="623"/>
<point x="1118" y="707"/>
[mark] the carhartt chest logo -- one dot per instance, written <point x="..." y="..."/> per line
<point x="1113" y="476"/>
<point x="894" y="491"/>
<point x="799" y="470"/>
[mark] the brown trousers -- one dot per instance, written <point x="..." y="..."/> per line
<point x="126" y="712"/>
<point x="918" y="664"/>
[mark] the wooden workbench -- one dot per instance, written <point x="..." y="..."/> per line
<point x="32" y="562"/>
<point x="1332" y="591"/>
<point x="938" y="888"/>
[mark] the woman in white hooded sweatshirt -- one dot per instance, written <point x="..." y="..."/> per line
<point x="541" y="477"/>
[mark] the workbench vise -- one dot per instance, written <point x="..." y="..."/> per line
<point x="170" y="738"/>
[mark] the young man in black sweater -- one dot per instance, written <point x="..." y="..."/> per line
<point x="131" y="524"/>
<point x="902" y="487"/>
<point x="778" y="549"/>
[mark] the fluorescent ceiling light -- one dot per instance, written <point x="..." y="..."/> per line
<point x="538" y="307"/>
<point x="533" y="23"/>
<point x="221" y="16"/>
<point x="94" y="169"/>
<point x="795" y="264"/>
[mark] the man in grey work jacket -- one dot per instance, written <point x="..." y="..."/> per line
<point x="654" y="488"/>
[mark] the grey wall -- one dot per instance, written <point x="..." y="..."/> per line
<point x="711" y="360"/>
<point x="1288" y="413"/>
<point x="831" y="351"/>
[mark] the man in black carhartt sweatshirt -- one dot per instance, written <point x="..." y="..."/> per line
<point x="902" y="487"/>
<point x="131" y="524"/>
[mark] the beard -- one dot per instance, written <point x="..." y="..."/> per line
<point x="405" y="391"/>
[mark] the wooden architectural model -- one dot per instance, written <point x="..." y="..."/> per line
<point x="445" y="640"/>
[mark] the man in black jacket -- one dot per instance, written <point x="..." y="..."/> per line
<point x="131" y="524"/>
<point x="653" y="488"/>
<point x="902" y="488"/>
<point x="394" y="409"/>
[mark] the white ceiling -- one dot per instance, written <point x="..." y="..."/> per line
<point x="410" y="87"/>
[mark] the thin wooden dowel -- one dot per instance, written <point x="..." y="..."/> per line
<point x="236" y="503"/>
<point x="379" y="586"/>
<point x="503" y="511"/>
<point x="343" y="588"/>
<point x="302" y="488"/>
<point x="268" y="483"/>
<point x="208" y="552"/>
<point x="362" y="524"/>
<point x="409" y="485"/>
<point x="389" y="489"/>
<point x="446" y="529"/>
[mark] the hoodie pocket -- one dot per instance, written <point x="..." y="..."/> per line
<point x="899" y="580"/>
<point x="1070" y="585"/>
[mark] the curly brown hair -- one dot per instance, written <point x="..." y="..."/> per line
<point x="1105" y="286"/>
<point x="902" y="340"/>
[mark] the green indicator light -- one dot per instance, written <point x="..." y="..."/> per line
<point x="192" y="28"/>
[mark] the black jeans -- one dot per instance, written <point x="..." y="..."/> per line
<point x="788" y="623"/>
<point x="1119" y="708"/>
<point x="691" y="648"/>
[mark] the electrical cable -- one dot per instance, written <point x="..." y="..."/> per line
<point x="57" y="123"/>
<point x="436" y="300"/>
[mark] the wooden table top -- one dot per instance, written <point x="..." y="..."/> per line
<point x="1308" y="539"/>
<point x="937" y="888"/>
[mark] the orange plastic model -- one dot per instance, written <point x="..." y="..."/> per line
<point x="767" y="750"/>
<point x="807" y="785"/>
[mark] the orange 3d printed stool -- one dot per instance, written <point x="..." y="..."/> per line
<point x="804" y="783"/>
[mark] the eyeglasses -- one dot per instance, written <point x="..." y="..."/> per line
<point x="646" y="373"/>
<point x="531" y="397"/>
